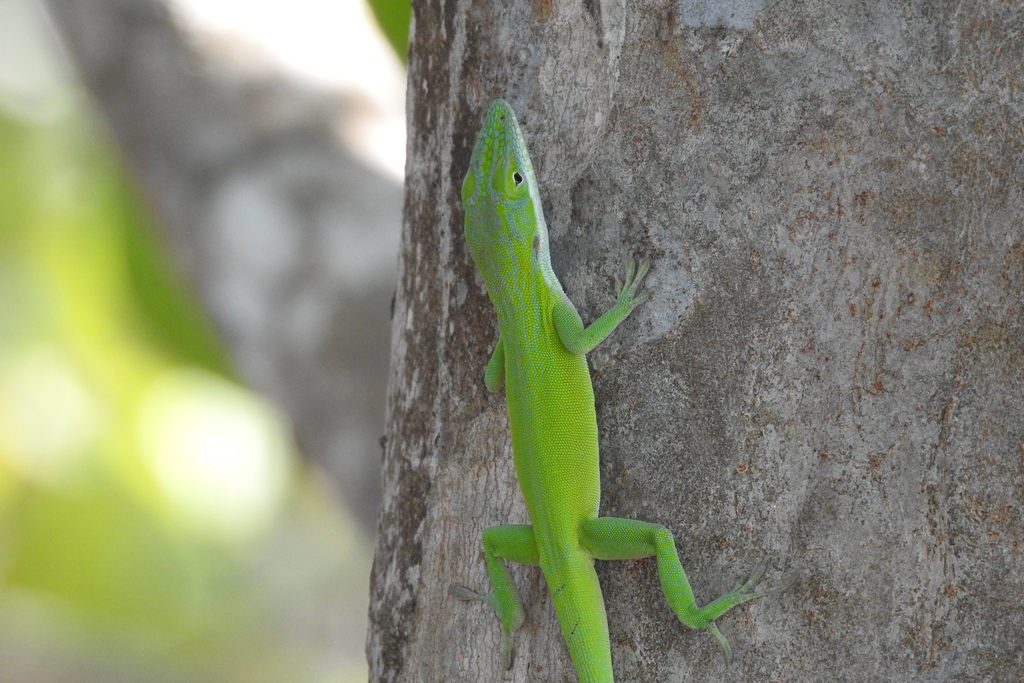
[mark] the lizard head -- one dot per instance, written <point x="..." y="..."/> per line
<point x="505" y="226"/>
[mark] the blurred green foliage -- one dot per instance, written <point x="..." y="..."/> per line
<point x="167" y="311"/>
<point x="394" y="16"/>
<point x="108" y="570"/>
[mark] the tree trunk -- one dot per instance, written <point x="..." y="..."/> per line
<point x="829" y="371"/>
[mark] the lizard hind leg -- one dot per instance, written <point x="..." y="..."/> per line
<point x="612" y="538"/>
<point x="513" y="542"/>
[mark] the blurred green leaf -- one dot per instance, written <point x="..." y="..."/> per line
<point x="394" y="16"/>
<point x="103" y="553"/>
<point x="169" y="311"/>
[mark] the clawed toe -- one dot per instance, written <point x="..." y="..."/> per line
<point x="787" y="582"/>
<point x="462" y="593"/>
<point x="721" y="641"/>
<point x="756" y="576"/>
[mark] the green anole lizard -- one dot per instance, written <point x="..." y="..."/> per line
<point x="540" y="361"/>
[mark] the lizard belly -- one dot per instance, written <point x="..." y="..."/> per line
<point x="554" y="444"/>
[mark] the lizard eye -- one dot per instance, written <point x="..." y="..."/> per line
<point x="517" y="177"/>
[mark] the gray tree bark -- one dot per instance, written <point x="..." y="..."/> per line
<point x="830" y="371"/>
<point x="288" y="238"/>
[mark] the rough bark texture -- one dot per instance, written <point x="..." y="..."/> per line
<point x="287" y="236"/>
<point x="831" y="369"/>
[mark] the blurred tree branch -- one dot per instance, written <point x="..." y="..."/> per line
<point x="288" y="238"/>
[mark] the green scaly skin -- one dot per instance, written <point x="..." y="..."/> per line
<point x="540" y="361"/>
